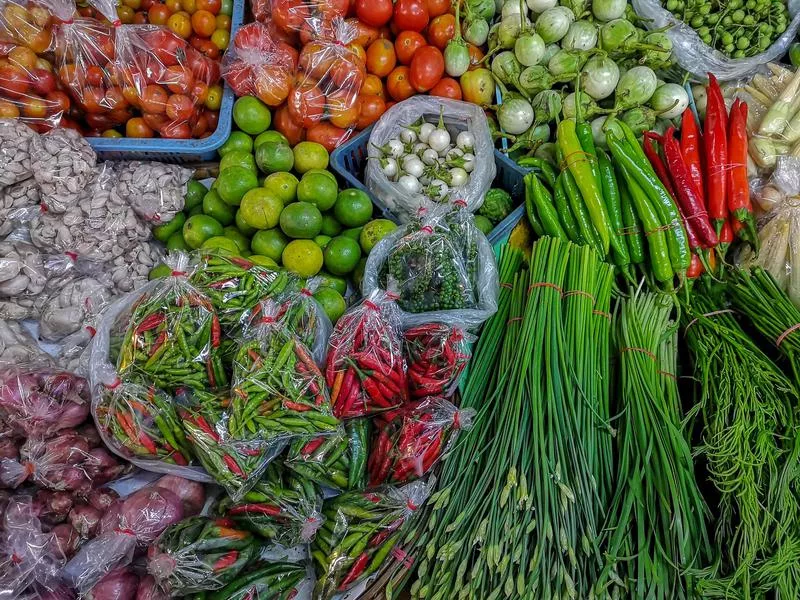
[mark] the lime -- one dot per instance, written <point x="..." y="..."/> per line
<point x="194" y="194"/>
<point x="238" y="140"/>
<point x="242" y="226"/>
<point x="331" y="302"/>
<point x="195" y="210"/>
<point x="176" y="242"/>
<point x="272" y="157"/>
<point x="269" y="243"/>
<point x="270" y="136"/>
<point x="353" y="208"/>
<point x="241" y="240"/>
<point x="234" y="182"/>
<point x="264" y="261"/>
<point x="199" y="228"/>
<point x="322" y="240"/>
<point x="358" y="273"/>
<point x="323" y="172"/>
<point x="301" y="220"/>
<point x="163" y="231"/>
<point x="332" y="281"/>
<point x="238" y="158"/>
<point x="354" y="233"/>
<point x="221" y="243"/>
<point x="213" y="206"/>
<point x="302" y="257"/>
<point x="161" y="270"/>
<point x="283" y="185"/>
<point x="342" y="255"/>
<point x="261" y="209"/>
<point x="310" y="155"/>
<point x="330" y="226"/>
<point x="318" y="189"/>
<point x="483" y="224"/>
<point x="251" y="115"/>
<point x="373" y="232"/>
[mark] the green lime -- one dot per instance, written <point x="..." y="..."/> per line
<point x="161" y="270"/>
<point x="322" y="240"/>
<point x="242" y="226"/>
<point x="269" y="243"/>
<point x="165" y="230"/>
<point x="194" y="194"/>
<point x="342" y="255"/>
<point x="373" y="232"/>
<point x="251" y="115"/>
<point x="323" y="172"/>
<point x="261" y="209"/>
<point x="302" y="257"/>
<point x="283" y="185"/>
<point x="353" y="208"/>
<point x="264" y="261"/>
<point x="483" y="224"/>
<point x="332" y="281"/>
<point x="221" y="243"/>
<point x="318" y="189"/>
<point x="270" y="136"/>
<point x="199" y="228"/>
<point x="197" y="209"/>
<point x="232" y="233"/>
<point x="330" y="226"/>
<point x="234" y="182"/>
<point x="310" y="155"/>
<point x="331" y="302"/>
<point x="213" y="206"/>
<point x="272" y="157"/>
<point x="176" y="242"/>
<point x="301" y="220"/>
<point x="354" y="233"/>
<point x="238" y="158"/>
<point x="238" y="140"/>
<point x="358" y="273"/>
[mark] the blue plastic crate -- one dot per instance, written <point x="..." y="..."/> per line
<point x="176" y="151"/>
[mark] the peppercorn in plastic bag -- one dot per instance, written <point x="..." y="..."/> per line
<point x="365" y="368"/>
<point x="367" y="525"/>
<point x="337" y="462"/>
<point x="408" y="442"/>
<point x="436" y="354"/>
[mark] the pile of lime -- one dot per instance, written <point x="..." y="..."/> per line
<point x="279" y="206"/>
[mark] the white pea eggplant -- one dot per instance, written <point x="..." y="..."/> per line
<point x="465" y="141"/>
<point x="581" y="35"/>
<point x="515" y="115"/>
<point x="669" y="100"/>
<point x="635" y="87"/>
<point x="599" y="77"/>
<point x="529" y="49"/>
<point x="608" y="10"/>
<point x="553" y="24"/>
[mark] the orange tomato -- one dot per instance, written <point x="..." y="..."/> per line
<point x="365" y="34"/>
<point x="179" y="107"/>
<point x="178" y="79"/>
<point x="475" y="57"/>
<point x="358" y="51"/>
<point x="447" y="88"/>
<point x="272" y="84"/>
<point x="212" y="6"/>
<point x="138" y="128"/>
<point x="370" y="109"/>
<point x="306" y="104"/>
<point x="154" y="121"/>
<point x="342" y="110"/>
<point x="181" y="24"/>
<point x="437" y="7"/>
<point x="174" y="5"/>
<point x="406" y="44"/>
<point x="204" y="23"/>
<point x="399" y="85"/>
<point x="285" y="124"/>
<point x="381" y="58"/>
<point x="441" y="30"/>
<point x="373" y="85"/>
<point x="8" y="110"/>
<point x="328" y="135"/>
<point x="154" y="99"/>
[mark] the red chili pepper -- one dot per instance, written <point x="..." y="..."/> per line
<point x="151" y="321"/>
<point x="691" y="143"/>
<point x="651" y="152"/>
<point x="715" y="140"/>
<point x="212" y="380"/>
<point x="178" y="458"/>
<point x="312" y="446"/>
<point x="160" y="341"/>
<point x="296" y="406"/>
<point x="225" y="561"/>
<point x="221" y="284"/>
<point x="348" y="400"/>
<point x="359" y="565"/>
<point x="216" y="331"/>
<point x="206" y="428"/>
<point x="233" y="465"/>
<point x="695" y="268"/>
<point x="738" y="188"/>
<point x="241" y="262"/>
<point x="261" y="509"/>
<point x="379" y="538"/>
<point x="371" y="388"/>
<point x="224" y="522"/>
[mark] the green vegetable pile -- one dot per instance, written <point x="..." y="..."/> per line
<point x="497" y="205"/>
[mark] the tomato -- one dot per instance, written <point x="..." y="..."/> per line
<point x="447" y="88"/>
<point x="475" y="57"/>
<point x="272" y="84"/>
<point x="437" y="7"/>
<point x="204" y="23"/>
<point x="199" y="92"/>
<point x="125" y="14"/>
<point x="213" y="119"/>
<point x="212" y="6"/>
<point x="181" y="24"/>
<point x="370" y="110"/>
<point x="200" y="126"/>
<point x="223" y="21"/>
<point x="289" y="15"/>
<point x="398" y="84"/>
<point x="306" y="104"/>
<point x="134" y="4"/>
<point x="155" y="122"/>
<point x="373" y="85"/>
<point x="179" y="107"/>
<point x="13" y="81"/>
<point x="34" y="108"/>
<point x="209" y="49"/>
<point x="374" y="12"/>
<point x="328" y="135"/>
<point x="8" y="110"/>
<point x="59" y="101"/>
<point x="347" y="76"/>
<point x="131" y="95"/>
<point x="478" y="87"/>
<point x="214" y="98"/>
<point x="365" y="34"/>
<point x="178" y="79"/>
<point x="190" y="6"/>
<point x="284" y="123"/>
<point x="94" y="75"/>
<point x="176" y="130"/>
<point x="316" y="59"/>
<point x="221" y="38"/>
<point x="115" y="99"/>
<point x="427" y="68"/>
<point x="159" y="14"/>
<point x="410" y="15"/>
<point x="406" y="44"/>
<point x="154" y="99"/>
<point x="140" y="18"/>
<point x="342" y="111"/>
<point x="381" y="58"/>
<point x="176" y="6"/>
<point x="92" y="100"/>
<point x="43" y="82"/>
<point x="441" y="30"/>
<point x="358" y="51"/>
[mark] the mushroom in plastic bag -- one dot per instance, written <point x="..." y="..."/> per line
<point x="19" y="205"/>
<point x="17" y="346"/>
<point x="155" y="191"/>
<point x="68" y="309"/>
<point x="15" y="151"/>
<point x="63" y="163"/>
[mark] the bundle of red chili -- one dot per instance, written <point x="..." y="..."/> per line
<point x="365" y="368"/>
<point x="410" y="442"/>
<point x="437" y="355"/>
<point x="360" y="530"/>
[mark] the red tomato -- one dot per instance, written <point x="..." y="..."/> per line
<point x="284" y="123"/>
<point x="427" y="68"/>
<point x="365" y="34"/>
<point x="447" y="88"/>
<point x="115" y="99"/>
<point x="92" y="100"/>
<point x="204" y="23"/>
<point x="272" y="84"/>
<point x="59" y="101"/>
<point x="331" y="9"/>
<point x="213" y="119"/>
<point x="347" y="76"/>
<point x="306" y="105"/>
<point x="178" y="79"/>
<point x="437" y="7"/>
<point x="200" y="126"/>
<point x="209" y="49"/>
<point x="179" y="107"/>
<point x="43" y="81"/>
<point x="398" y="84"/>
<point x="94" y="75"/>
<point x="211" y="6"/>
<point x="155" y="121"/>
<point x="138" y="128"/>
<point x="441" y="30"/>
<point x="199" y="92"/>
<point x="176" y="130"/>
<point x="406" y="44"/>
<point x="159" y="14"/>
<point x="381" y="58"/>
<point x="410" y="15"/>
<point x="390" y="104"/>
<point x="154" y="99"/>
<point x="475" y="57"/>
<point x="374" y="12"/>
<point x="328" y="135"/>
<point x="289" y="15"/>
<point x="140" y="18"/>
<point x="370" y="110"/>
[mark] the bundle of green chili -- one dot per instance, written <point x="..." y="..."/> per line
<point x="750" y="442"/>
<point x="656" y="535"/>
<point x="264" y="581"/>
<point x="338" y="461"/>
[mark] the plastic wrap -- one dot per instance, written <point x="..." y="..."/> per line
<point x="62" y="162"/>
<point x="155" y="191"/>
<point x="19" y="205"/>
<point x="281" y="508"/>
<point x="343" y="559"/>
<point x="15" y="151"/>
<point x="436" y="354"/>
<point x="410" y="441"/>
<point x="200" y="554"/>
<point x="365" y="368"/>
<point x="72" y="307"/>
<point x="131" y="271"/>
<point x="338" y="462"/>
<point x="22" y="270"/>
<point x="264" y="581"/>
<point x="119" y="583"/>
<point x="17" y="346"/>
<point x="457" y="116"/>
<point x="442" y="269"/>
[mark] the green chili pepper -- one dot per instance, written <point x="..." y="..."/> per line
<point x="544" y="206"/>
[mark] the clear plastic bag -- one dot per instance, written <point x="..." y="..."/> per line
<point x="71" y="307"/>
<point x="436" y="354"/>
<point x="409" y="442"/>
<point x="365" y="368"/>
<point x="17" y="346"/>
<point x="303" y="17"/>
<point x="343" y="559"/>
<point x="22" y="270"/>
<point x="15" y="152"/>
<point x="457" y="117"/>
<point x="155" y="191"/>
<point x="131" y="271"/>
<point x="19" y="205"/>
<point x="281" y="508"/>
<point x="337" y="462"/>
<point x="265" y="580"/>
<point x="63" y="163"/>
